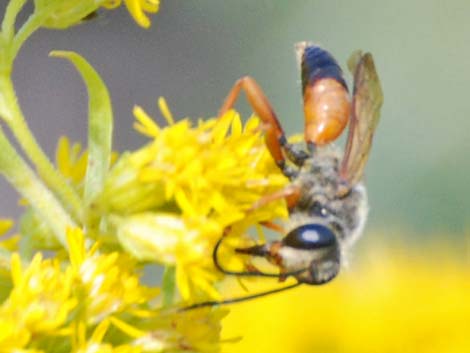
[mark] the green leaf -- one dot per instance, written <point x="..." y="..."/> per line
<point x="100" y="125"/>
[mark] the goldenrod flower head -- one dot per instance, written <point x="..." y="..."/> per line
<point x="39" y="303"/>
<point x="204" y="178"/>
<point x="137" y="9"/>
<point x="217" y="168"/>
<point x="108" y="282"/>
<point x="194" y="331"/>
<point x="200" y="329"/>
<point x="173" y="240"/>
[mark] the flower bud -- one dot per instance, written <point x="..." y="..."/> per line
<point x="65" y="13"/>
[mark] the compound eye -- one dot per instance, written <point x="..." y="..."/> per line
<point x="310" y="236"/>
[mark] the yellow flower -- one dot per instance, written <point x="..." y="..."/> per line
<point x="71" y="161"/>
<point x="5" y="225"/>
<point x="108" y="282"/>
<point x="200" y="329"/>
<point x="216" y="168"/>
<point x="7" y="242"/>
<point x="193" y="331"/>
<point x="137" y="9"/>
<point x="38" y="304"/>
<point x="173" y="240"/>
<point x="12" y="336"/>
<point x="189" y="184"/>
<point x="95" y="343"/>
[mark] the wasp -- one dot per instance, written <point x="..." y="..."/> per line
<point x="326" y="197"/>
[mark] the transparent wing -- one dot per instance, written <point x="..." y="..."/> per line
<point x="367" y="101"/>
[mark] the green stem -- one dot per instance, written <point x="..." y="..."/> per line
<point x="29" y="27"/>
<point x="22" y="177"/>
<point x="168" y="285"/>
<point x="12" y="114"/>
<point x="12" y="10"/>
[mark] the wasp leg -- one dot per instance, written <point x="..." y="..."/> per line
<point x="273" y="226"/>
<point x="294" y="152"/>
<point x="290" y="193"/>
<point x="257" y="250"/>
<point x="288" y="170"/>
<point x="263" y="109"/>
<point x="217" y="264"/>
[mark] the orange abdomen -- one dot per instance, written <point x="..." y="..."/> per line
<point x="327" y="108"/>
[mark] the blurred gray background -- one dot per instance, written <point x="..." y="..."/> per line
<point x="418" y="172"/>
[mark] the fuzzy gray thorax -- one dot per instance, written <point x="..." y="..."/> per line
<point x="319" y="202"/>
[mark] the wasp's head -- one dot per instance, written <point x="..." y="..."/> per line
<point x="309" y="252"/>
<point x="314" y="248"/>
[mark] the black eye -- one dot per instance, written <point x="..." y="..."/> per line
<point x="310" y="236"/>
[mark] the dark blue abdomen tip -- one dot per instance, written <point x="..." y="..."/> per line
<point x="317" y="63"/>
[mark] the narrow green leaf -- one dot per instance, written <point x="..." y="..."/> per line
<point x="100" y="124"/>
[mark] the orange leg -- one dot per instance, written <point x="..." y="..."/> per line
<point x="291" y="193"/>
<point x="273" y="226"/>
<point x="261" y="106"/>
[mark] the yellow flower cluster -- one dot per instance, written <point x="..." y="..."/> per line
<point x="39" y="303"/>
<point x="49" y="301"/>
<point x="108" y="282"/>
<point x="102" y="218"/>
<point x="168" y="202"/>
<point x="194" y="331"/>
<point x="176" y="195"/>
<point x="45" y="296"/>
